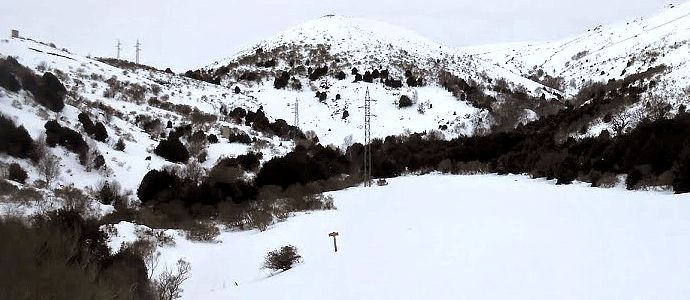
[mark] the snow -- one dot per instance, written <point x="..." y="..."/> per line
<point x="460" y="237"/>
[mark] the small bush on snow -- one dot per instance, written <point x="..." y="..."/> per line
<point x="283" y="259"/>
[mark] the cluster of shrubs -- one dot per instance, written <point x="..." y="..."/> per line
<point x="317" y="73"/>
<point x="177" y="198"/>
<point x="464" y="91"/>
<point x="64" y="256"/>
<point x="654" y="153"/>
<point x="97" y="130"/>
<point x="203" y="75"/>
<point x="66" y="137"/>
<point x="413" y="81"/>
<point x="47" y="90"/>
<point x="259" y="122"/>
<point x="125" y="64"/>
<point x="303" y="165"/>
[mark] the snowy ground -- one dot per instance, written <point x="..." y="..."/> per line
<point x="461" y="237"/>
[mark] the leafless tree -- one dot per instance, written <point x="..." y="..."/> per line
<point x="49" y="168"/>
<point x="168" y="286"/>
<point x="623" y="119"/>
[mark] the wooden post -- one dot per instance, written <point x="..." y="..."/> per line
<point x="335" y="245"/>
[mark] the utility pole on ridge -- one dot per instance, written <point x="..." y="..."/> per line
<point x="138" y="47"/>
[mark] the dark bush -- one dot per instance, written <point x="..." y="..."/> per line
<point x="68" y="138"/>
<point x="50" y="92"/>
<point x="15" y="172"/>
<point x="367" y="77"/>
<point x="404" y="101"/>
<point x="212" y="138"/>
<point x="303" y="166"/>
<point x="341" y="75"/>
<point x="282" y="80"/>
<point x="393" y="83"/>
<point x="109" y="193"/>
<point x="15" y="141"/>
<point x="318" y="73"/>
<point x="283" y="259"/>
<point x="97" y="130"/>
<point x="157" y="186"/>
<point x="120" y="145"/>
<point x="172" y="150"/>
<point x="8" y="79"/>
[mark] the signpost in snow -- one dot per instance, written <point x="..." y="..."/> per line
<point x="335" y="245"/>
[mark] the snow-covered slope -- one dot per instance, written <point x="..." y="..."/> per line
<point x="344" y="43"/>
<point x="606" y="51"/>
<point x="121" y="99"/>
<point x="459" y="237"/>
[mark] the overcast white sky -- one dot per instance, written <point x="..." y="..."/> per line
<point x="189" y="34"/>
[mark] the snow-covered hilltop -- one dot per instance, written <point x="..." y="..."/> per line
<point x="342" y="58"/>
<point x="606" y="51"/>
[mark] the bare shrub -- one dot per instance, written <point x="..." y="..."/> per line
<point x="259" y="216"/>
<point x="28" y="195"/>
<point x="471" y="168"/>
<point x="168" y="285"/>
<point x="282" y="259"/>
<point x="74" y="199"/>
<point x="202" y="232"/>
<point x="193" y="171"/>
<point x="608" y="180"/>
<point x="49" y="168"/>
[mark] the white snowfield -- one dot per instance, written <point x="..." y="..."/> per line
<point x="460" y="237"/>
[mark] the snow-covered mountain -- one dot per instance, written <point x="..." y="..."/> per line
<point x="606" y="51"/>
<point x="342" y="44"/>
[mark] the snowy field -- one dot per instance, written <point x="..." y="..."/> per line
<point x="461" y="237"/>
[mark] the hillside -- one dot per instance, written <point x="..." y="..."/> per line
<point x="134" y="103"/>
<point x="605" y="52"/>
<point x="313" y="55"/>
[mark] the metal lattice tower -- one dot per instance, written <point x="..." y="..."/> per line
<point x="118" y="48"/>
<point x="296" y="111"/>
<point x="367" y="139"/>
<point x="138" y="47"/>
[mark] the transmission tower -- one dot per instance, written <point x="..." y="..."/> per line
<point x="295" y="110"/>
<point x="118" y="48"/>
<point x="138" y="47"/>
<point x="367" y="139"/>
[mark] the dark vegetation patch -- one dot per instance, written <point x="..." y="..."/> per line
<point x="15" y="141"/>
<point x="47" y="90"/>
<point x="64" y="256"/>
